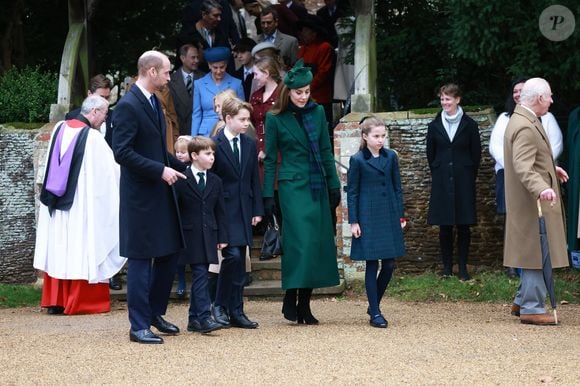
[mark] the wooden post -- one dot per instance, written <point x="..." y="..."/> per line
<point x="74" y="66"/>
<point x="365" y="58"/>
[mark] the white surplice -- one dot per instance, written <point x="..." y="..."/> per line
<point x="82" y="243"/>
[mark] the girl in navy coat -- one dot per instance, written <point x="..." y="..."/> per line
<point x="375" y="212"/>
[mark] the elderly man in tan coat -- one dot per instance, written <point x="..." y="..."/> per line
<point x="530" y="174"/>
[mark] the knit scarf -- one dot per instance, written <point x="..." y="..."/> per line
<point x="306" y="118"/>
<point x="451" y="122"/>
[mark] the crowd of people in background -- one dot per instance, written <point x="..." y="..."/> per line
<point x="240" y="131"/>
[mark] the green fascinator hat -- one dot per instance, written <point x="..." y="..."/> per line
<point x="299" y="76"/>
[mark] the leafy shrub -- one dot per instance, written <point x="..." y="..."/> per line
<point x="26" y="95"/>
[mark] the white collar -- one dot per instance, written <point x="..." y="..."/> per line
<point x="195" y="170"/>
<point x="143" y="90"/>
<point x="229" y="135"/>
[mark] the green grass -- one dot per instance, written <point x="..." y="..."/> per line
<point x="24" y="125"/>
<point x="485" y="287"/>
<point x="19" y="295"/>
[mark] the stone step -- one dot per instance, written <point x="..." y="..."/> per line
<point x="273" y="288"/>
<point x="258" y="288"/>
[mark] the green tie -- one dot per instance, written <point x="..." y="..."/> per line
<point x="236" y="150"/>
<point x="201" y="182"/>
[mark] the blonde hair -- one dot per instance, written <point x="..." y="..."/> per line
<point x="228" y="93"/>
<point x="182" y="140"/>
<point x="366" y="124"/>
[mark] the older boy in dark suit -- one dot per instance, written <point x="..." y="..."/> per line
<point x="203" y="220"/>
<point x="237" y="165"/>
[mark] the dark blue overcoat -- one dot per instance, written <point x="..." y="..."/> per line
<point x="203" y="218"/>
<point x="242" y="191"/>
<point x="149" y="224"/>
<point x="454" y="165"/>
<point x="375" y="202"/>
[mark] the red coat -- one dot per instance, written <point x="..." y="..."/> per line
<point x="258" y="117"/>
<point x="319" y="56"/>
<point x="259" y="110"/>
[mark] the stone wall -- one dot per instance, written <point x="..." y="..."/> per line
<point x="22" y="155"/>
<point x="17" y="204"/>
<point x="407" y="132"/>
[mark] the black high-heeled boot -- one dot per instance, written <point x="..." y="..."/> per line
<point x="289" y="307"/>
<point x="304" y="311"/>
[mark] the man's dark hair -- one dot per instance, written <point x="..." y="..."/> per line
<point x="99" y="81"/>
<point x="268" y="11"/>
<point x="208" y="5"/>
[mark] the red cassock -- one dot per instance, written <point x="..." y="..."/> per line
<point x="75" y="296"/>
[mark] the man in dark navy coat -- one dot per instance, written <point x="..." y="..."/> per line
<point x="150" y="231"/>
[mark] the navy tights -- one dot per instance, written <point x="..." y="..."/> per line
<point x="377" y="285"/>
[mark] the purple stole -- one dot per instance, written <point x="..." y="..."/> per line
<point x="61" y="176"/>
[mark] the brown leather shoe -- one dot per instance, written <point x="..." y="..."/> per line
<point x="538" y="319"/>
<point x="515" y="310"/>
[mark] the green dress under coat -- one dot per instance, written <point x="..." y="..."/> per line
<point x="309" y="259"/>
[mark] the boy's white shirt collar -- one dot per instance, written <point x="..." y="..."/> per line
<point x="195" y="170"/>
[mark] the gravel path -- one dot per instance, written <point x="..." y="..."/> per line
<point x="426" y="343"/>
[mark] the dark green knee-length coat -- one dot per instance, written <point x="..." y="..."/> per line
<point x="309" y="259"/>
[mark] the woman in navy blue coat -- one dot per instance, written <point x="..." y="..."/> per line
<point x="453" y="153"/>
<point x="375" y="210"/>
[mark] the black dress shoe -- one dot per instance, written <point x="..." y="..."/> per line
<point x="114" y="284"/>
<point x="242" y="321"/>
<point x="144" y="336"/>
<point x="164" y="326"/>
<point x="221" y="316"/>
<point x="194" y="326"/>
<point x="379" y="321"/>
<point x="209" y="325"/>
<point x="55" y="310"/>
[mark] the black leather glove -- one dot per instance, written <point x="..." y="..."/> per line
<point x="334" y="198"/>
<point x="269" y="206"/>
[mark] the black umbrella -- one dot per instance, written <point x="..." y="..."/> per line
<point x="547" y="261"/>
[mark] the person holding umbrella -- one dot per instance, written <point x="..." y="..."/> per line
<point x="531" y="175"/>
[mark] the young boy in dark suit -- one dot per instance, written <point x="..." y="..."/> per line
<point x="203" y="220"/>
<point x="237" y="165"/>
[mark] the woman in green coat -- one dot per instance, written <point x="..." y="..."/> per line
<point x="308" y="189"/>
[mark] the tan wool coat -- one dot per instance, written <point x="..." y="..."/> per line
<point x="529" y="170"/>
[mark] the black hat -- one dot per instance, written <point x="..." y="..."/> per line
<point x="244" y="45"/>
<point x="315" y="23"/>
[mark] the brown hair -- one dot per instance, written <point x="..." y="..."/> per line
<point x="450" y="89"/>
<point x="282" y="102"/>
<point x="366" y="124"/>
<point x="270" y="11"/>
<point x="99" y="81"/>
<point x="270" y="65"/>
<point x="199" y="143"/>
<point x="232" y="107"/>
